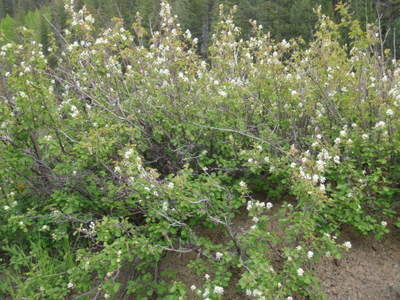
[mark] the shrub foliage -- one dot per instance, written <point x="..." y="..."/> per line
<point x="114" y="154"/>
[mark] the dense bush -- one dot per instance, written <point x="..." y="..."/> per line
<point x="113" y="153"/>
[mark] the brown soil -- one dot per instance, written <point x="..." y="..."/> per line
<point x="370" y="270"/>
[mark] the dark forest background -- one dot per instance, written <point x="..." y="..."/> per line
<point x="285" y="19"/>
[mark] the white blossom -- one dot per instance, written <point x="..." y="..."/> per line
<point x="347" y="244"/>
<point x="300" y="271"/>
<point x="218" y="255"/>
<point x="380" y="124"/>
<point x="218" y="290"/>
<point x="389" y="112"/>
<point x="222" y="93"/>
<point x="336" y="159"/>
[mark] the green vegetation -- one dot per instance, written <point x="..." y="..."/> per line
<point x="117" y="146"/>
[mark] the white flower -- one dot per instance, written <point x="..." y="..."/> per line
<point x="70" y="285"/>
<point x="248" y="292"/>
<point x="300" y="271"/>
<point x="207" y="276"/>
<point x="343" y="133"/>
<point x="6" y="207"/>
<point x="218" y="255"/>
<point x="218" y="290"/>
<point x="364" y="136"/>
<point x="193" y="287"/>
<point x="269" y="205"/>
<point x="320" y="165"/>
<point x="128" y="153"/>
<point x="222" y="93"/>
<point x="243" y="184"/>
<point x="298" y="248"/>
<point x="318" y="136"/>
<point x="165" y="72"/>
<point x="336" y="159"/>
<point x="380" y="124"/>
<point x="206" y="293"/>
<point x="384" y="223"/>
<point x="347" y="244"/>
<point x="289" y="298"/>
<point x="315" y="178"/>
<point x="257" y="293"/>
<point x="171" y="185"/>
<point x="389" y="112"/>
<point x="310" y="254"/>
<point x="337" y="141"/>
<point x="106" y="296"/>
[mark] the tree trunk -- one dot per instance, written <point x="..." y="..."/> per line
<point x="206" y="28"/>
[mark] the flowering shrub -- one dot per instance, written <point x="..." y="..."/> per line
<point x="113" y="153"/>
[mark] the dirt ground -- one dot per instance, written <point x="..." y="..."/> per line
<point x="369" y="270"/>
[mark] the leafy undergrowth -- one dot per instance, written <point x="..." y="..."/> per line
<point x="370" y="270"/>
<point x="116" y="147"/>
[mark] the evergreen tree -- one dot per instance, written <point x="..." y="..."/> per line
<point x="7" y="28"/>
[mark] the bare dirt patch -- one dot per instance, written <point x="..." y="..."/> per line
<point x="370" y="270"/>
